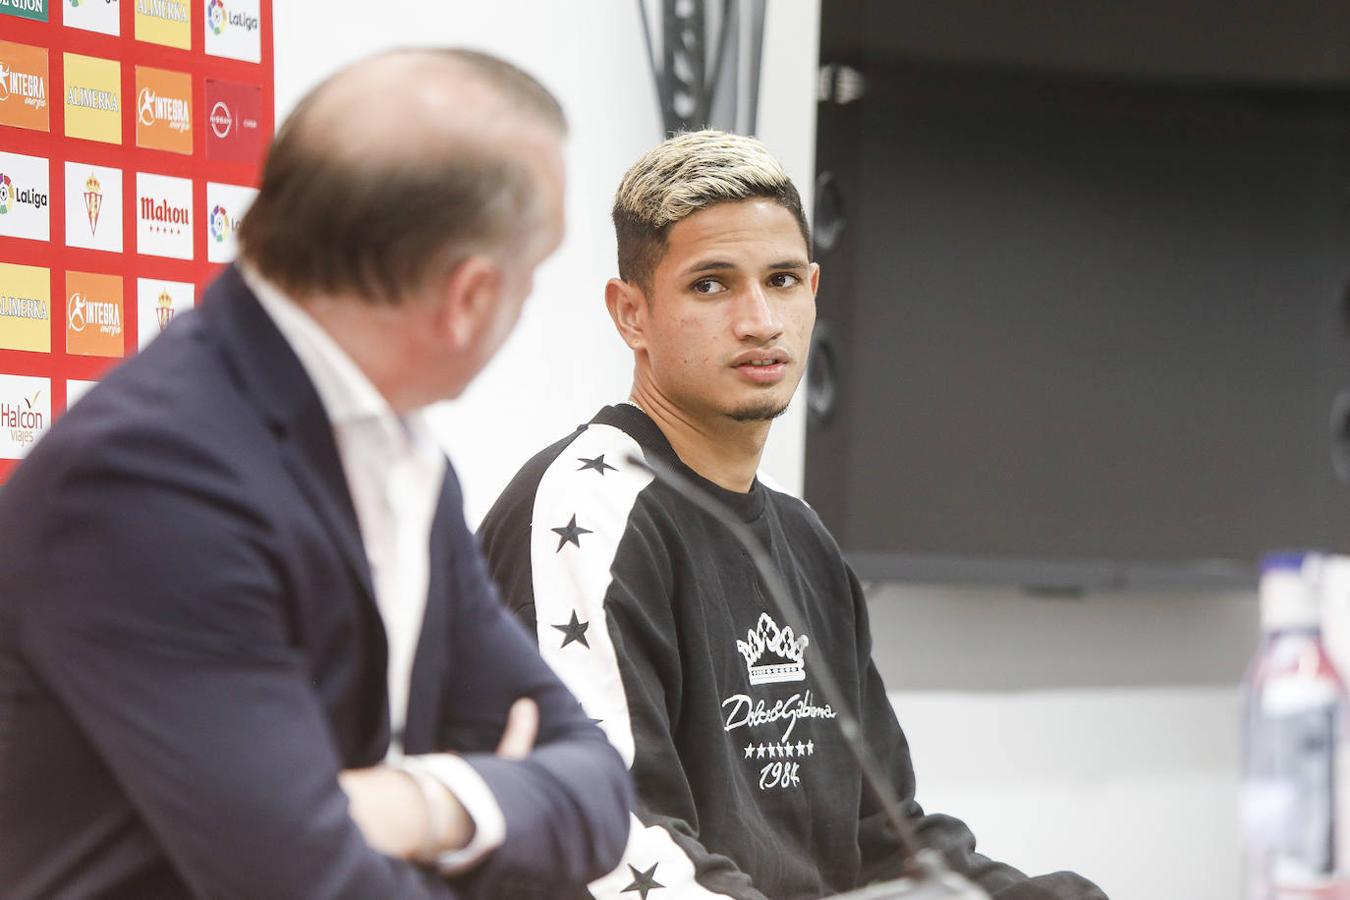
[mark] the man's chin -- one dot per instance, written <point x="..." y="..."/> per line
<point x="758" y="411"/>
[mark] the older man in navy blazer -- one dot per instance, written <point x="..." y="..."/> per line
<point x="247" y="644"/>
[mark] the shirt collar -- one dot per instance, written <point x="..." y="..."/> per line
<point x="348" y="397"/>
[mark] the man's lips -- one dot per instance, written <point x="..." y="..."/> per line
<point x="762" y="366"/>
<point x="769" y="357"/>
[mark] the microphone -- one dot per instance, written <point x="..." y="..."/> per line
<point x="927" y="876"/>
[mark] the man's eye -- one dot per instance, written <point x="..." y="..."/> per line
<point x="784" y="279"/>
<point x="708" y="286"/>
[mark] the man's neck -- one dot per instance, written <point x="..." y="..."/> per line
<point x="726" y="452"/>
<point x="350" y="323"/>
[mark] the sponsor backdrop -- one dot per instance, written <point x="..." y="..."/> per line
<point x="131" y="137"/>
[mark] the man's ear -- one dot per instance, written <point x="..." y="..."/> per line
<point x="467" y="300"/>
<point x="628" y="308"/>
<point x="814" y="278"/>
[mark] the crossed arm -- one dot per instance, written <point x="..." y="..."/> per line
<point x="160" y="633"/>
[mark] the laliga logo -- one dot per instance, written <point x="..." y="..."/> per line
<point x="6" y="193"/>
<point x="76" y="312"/>
<point x="221" y="120"/>
<point x="220" y="223"/>
<point x="215" y="14"/>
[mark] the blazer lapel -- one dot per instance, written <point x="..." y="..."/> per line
<point x="430" y="663"/>
<point x="281" y="391"/>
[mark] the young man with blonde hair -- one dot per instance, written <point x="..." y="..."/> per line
<point x="656" y="618"/>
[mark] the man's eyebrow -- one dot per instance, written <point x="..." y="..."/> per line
<point x="718" y="265"/>
<point x="710" y="265"/>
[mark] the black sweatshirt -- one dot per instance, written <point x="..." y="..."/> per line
<point x="655" y="617"/>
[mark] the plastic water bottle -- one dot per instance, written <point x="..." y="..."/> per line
<point x="1296" y="743"/>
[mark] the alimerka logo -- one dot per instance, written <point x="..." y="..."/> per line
<point x="93" y="98"/>
<point x="167" y="22"/>
<point x="25" y="308"/>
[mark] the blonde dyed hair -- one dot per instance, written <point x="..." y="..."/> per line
<point x="683" y="175"/>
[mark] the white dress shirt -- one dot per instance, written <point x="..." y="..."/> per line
<point x="394" y="471"/>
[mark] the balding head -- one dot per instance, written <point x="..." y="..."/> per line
<point x="396" y="168"/>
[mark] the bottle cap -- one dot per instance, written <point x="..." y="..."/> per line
<point x="1289" y="592"/>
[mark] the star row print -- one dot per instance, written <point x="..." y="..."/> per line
<point x="575" y="630"/>
<point x="776" y="751"/>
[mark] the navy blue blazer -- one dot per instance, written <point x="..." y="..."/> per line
<point x="190" y="652"/>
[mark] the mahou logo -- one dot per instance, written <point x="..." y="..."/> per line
<point x="164" y="215"/>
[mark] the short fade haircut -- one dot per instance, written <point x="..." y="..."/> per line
<point x="380" y="228"/>
<point x="687" y="173"/>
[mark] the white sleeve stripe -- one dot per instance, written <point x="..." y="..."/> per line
<point x="589" y="508"/>
<point x="652" y="854"/>
<point x="571" y="570"/>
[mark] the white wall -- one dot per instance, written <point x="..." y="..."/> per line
<point x="1099" y="735"/>
<point x="565" y="360"/>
